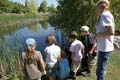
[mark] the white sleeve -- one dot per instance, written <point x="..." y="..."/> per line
<point x="106" y="20"/>
<point x="45" y="50"/>
<point x="82" y="46"/>
<point x="72" y="49"/>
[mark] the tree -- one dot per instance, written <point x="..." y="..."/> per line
<point x="43" y="7"/>
<point x="72" y="14"/>
<point x="52" y="9"/>
<point x="5" y="6"/>
<point x="10" y="7"/>
<point x="31" y="6"/>
<point x="17" y="8"/>
<point x="115" y="8"/>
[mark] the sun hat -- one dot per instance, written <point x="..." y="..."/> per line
<point x="84" y="28"/>
<point x="30" y="41"/>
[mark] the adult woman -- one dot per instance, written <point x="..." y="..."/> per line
<point x="105" y="35"/>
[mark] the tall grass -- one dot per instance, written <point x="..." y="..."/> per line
<point x="7" y="20"/>
<point x="10" y="62"/>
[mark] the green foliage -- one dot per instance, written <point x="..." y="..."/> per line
<point x="17" y="8"/>
<point x="43" y="7"/>
<point x="10" y="7"/>
<point x="115" y="8"/>
<point x="52" y="9"/>
<point x="72" y="14"/>
<point x="31" y="6"/>
<point x="5" y="6"/>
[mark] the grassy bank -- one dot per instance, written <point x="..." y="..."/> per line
<point x="113" y="69"/>
<point x="20" y="19"/>
<point x="10" y="68"/>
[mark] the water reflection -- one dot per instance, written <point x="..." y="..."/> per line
<point x="38" y="31"/>
<point x="44" y="24"/>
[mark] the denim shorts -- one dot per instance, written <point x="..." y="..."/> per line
<point x="50" y="70"/>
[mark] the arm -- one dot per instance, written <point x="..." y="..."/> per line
<point x="82" y="51"/>
<point x="59" y="57"/>
<point x="42" y="66"/>
<point x="72" y="56"/>
<point x="93" y="48"/>
<point x="108" y="32"/>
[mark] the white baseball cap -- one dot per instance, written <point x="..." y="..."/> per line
<point x="84" y="28"/>
<point x="30" y="41"/>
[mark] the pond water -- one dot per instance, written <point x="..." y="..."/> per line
<point x="38" y="31"/>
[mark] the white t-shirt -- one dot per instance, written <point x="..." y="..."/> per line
<point x="105" y="44"/>
<point x="76" y="47"/>
<point x="53" y="51"/>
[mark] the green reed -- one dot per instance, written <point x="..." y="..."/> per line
<point x="10" y="62"/>
<point x="7" y="20"/>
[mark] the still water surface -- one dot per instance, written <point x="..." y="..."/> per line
<point x="37" y="31"/>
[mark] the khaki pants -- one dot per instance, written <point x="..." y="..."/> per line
<point x="75" y="66"/>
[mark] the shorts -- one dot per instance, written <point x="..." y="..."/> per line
<point x="92" y="60"/>
<point x="50" y="70"/>
<point x="75" y="66"/>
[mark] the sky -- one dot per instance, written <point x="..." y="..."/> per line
<point x="54" y="2"/>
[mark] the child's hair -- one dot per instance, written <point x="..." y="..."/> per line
<point x="50" y="39"/>
<point x="74" y="35"/>
<point x="63" y="54"/>
<point x="30" y="44"/>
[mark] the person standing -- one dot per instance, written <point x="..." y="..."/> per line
<point x="77" y="49"/>
<point x="89" y="59"/>
<point x="53" y="55"/>
<point x="63" y="67"/>
<point x="33" y="64"/>
<point x="105" y="35"/>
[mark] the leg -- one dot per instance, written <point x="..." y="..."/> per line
<point x="101" y="64"/>
<point x="75" y="67"/>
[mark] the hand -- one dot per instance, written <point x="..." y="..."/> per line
<point x="44" y="73"/>
<point x="95" y="36"/>
<point x="90" y="52"/>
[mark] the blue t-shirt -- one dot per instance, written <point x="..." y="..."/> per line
<point x="63" y="70"/>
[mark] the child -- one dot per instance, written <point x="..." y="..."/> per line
<point x="77" y="50"/>
<point x="89" y="59"/>
<point x="31" y="59"/>
<point x="63" y="67"/>
<point x="53" y="55"/>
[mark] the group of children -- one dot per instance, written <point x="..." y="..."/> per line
<point x="56" y="66"/>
